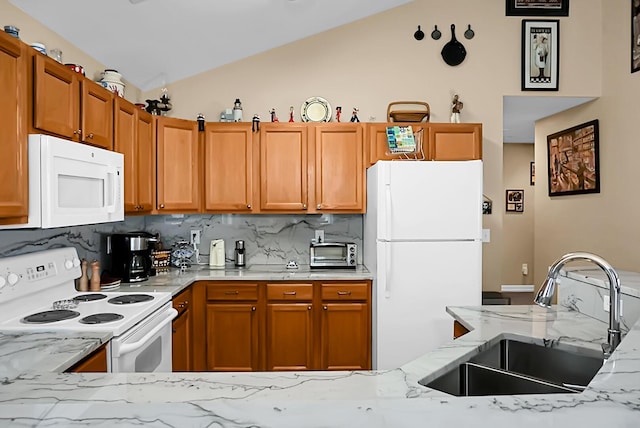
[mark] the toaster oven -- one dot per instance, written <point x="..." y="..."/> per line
<point x="333" y="255"/>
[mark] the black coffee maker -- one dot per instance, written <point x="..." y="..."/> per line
<point x="131" y="255"/>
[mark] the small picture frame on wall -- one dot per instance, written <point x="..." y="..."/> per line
<point x="515" y="201"/>
<point x="540" y="55"/>
<point x="573" y="159"/>
<point x="537" y="8"/>
<point x="635" y="35"/>
<point x="532" y="173"/>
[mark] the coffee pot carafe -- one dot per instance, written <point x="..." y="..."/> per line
<point x="239" y="253"/>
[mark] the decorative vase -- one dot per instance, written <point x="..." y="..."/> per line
<point x="111" y="80"/>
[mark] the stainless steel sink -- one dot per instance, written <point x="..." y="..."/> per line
<point x="512" y="367"/>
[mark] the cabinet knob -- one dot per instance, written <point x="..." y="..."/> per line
<point x="318" y="207"/>
<point x="253" y="308"/>
<point x="304" y="206"/>
<point x="289" y="293"/>
<point x="90" y="135"/>
<point x="77" y="131"/>
<point x="325" y="307"/>
<point x="161" y="205"/>
<point x="309" y="307"/>
<point x="249" y="206"/>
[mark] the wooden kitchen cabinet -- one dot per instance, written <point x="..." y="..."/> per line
<point x="289" y="327"/>
<point x="14" y="185"/>
<point x="96" y="362"/>
<point x="182" y="337"/>
<point x="232" y="327"/>
<point x="228" y="168"/>
<point x="178" y="172"/>
<point x="459" y="330"/>
<point x="71" y="106"/>
<point x="345" y="336"/>
<point x="134" y="139"/>
<point x="284" y="168"/>
<point x="340" y="173"/>
<point x="455" y="141"/>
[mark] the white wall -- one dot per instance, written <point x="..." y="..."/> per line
<point x="606" y="223"/>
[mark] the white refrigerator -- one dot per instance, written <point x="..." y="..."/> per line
<point x="423" y="243"/>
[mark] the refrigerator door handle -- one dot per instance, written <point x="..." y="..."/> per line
<point x="387" y="273"/>
<point x="388" y="210"/>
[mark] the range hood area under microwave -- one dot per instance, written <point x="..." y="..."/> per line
<point x="72" y="184"/>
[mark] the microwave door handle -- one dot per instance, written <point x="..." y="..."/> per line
<point x="126" y="348"/>
<point x="111" y="191"/>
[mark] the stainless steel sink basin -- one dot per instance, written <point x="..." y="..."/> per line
<point x="512" y="367"/>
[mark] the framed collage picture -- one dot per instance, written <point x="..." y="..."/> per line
<point x="514" y="200"/>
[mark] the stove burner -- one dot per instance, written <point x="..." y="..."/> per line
<point x="101" y="318"/>
<point x="50" y="316"/>
<point x="125" y="299"/>
<point x="90" y="297"/>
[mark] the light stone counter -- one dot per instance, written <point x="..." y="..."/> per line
<point x="344" y="399"/>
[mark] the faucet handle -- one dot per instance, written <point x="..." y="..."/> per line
<point x="607" y="350"/>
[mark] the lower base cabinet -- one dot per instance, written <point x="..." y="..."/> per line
<point x="259" y="326"/>
<point x="96" y="362"/>
<point x="181" y="339"/>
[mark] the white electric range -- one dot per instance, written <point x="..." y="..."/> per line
<point x="37" y="293"/>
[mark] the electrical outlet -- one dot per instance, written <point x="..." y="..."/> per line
<point x="195" y="237"/>
<point x="319" y="236"/>
<point x="605" y="302"/>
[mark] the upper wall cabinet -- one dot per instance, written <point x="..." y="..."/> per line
<point x="71" y="106"/>
<point x="377" y="140"/>
<point x="13" y="129"/>
<point x="284" y="168"/>
<point x="134" y="138"/>
<point x="228" y="168"/>
<point x="178" y="172"/>
<point x="340" y="172"/>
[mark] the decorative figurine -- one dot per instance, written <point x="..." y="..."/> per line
<point x="274" y="118"/>
<point x="160" y="107"/>
<point x="237" y="111"/>
<point x="456" y="106"/>
<point x="354" y="115"/>
<point x="255" y="123"/>
<point x="291" y="114"/>
<point x="338" y="113"/>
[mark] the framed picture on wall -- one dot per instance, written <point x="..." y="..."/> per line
<point x="635" y="35"/>
<point x="540" y="55"/>
<point x="573" y="160"/>
<point x="515" y="200"/>
<point x="532" y="173"/>
<point x="537" y="8"/>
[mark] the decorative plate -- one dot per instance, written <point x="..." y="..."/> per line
<point x="316" y="109"/>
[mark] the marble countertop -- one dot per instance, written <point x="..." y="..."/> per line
<point x="175" y="280"/>
<point x="629" y="281"/>
<point x="391" y="398"/>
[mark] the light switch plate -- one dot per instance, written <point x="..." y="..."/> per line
<point x="486" y="235"/>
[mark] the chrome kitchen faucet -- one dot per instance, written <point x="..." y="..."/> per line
<point x="545" y="294"/>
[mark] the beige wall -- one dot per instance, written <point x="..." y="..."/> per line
<point x="32" y="31"/>
<point x="518" y="227"/>
<point x="372" y="62"/>
<point x="606" y="223"/>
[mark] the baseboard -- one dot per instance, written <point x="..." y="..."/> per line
<point x="505" y="288"/>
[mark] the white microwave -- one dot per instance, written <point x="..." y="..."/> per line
<point x="72" y="184"/>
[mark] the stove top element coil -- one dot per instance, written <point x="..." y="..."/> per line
<point x="126" y="299"/>
<point x="101" y="318"/>
<point x="90" y="297"/>
<point x="50" y="316"/>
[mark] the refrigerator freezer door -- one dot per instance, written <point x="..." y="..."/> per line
<point x="410" y="301"/>
<point x="428" y="200"/>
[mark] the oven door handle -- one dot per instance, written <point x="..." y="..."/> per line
<point x="126" y="348"/>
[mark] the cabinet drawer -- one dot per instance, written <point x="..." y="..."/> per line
<point x="289" y="291"/>
<point x="232" y="291"/>
<point x="345" y="291"/>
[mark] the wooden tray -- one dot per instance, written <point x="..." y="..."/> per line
<point x="420" y="115"/>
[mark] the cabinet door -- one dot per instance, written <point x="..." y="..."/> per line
<point x="455" y="141"/>
<point x="178" y="173"/>
<point x="339" y="168"/>
<point x="228" y="167"/>
<point x="56" y="105"/>
<point x="94" y="363"/>
<point x="289" y="336"/>
<point x="283" y="168"/>
<point x="345" y="337"/>
<point x="182" y="337"/>
<point x="97" y="115"/>
<point x="13" y="128"/>
<point x="146" y="161"/>
<point x="125" y="143"/>
<point x="232" y="337"/>
<point x="379" y="147"/>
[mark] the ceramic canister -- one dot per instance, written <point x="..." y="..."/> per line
<point x="111" y="81"/>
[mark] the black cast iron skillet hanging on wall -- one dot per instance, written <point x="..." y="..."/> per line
<point x="453" y="52"/>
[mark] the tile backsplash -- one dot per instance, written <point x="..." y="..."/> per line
<point x="269" y="239"/>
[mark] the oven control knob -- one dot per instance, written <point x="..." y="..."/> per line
<point x="76" y="262"/>
<point x="68" y="264"/>
<point x="12" y="278"/>
<point x="2" y="281"/>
